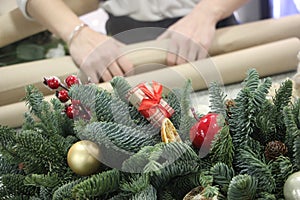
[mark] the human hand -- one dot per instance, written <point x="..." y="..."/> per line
<point x="189" y="38"/>
<point x="99" y="56"/>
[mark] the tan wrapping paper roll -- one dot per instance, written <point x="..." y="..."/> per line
<point x="268" y="59"/>
<point x="17" y="27"/>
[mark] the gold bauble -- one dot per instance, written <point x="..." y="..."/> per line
<point x="84" y="158"/>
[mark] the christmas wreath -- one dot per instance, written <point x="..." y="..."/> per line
<point x="145" y="143"/>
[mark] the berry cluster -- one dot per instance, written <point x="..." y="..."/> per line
<point x="73" y="109"/>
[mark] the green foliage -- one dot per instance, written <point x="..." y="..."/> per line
<point x="251" y="163"/>
<point x="222" y="147"/>
<point x="242" y="187"/>
<point x="97" y="185"/>
<point x="33" y="162"/>
<point x="217" y="99"/>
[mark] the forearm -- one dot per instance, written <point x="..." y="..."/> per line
<point x="57" y="15"/>
<point x="217" y="10"/>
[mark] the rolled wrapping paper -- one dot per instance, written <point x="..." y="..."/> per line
<point x="268" y="59"/>
<point x="17" y="27"/>
<point x="246" y="35"/>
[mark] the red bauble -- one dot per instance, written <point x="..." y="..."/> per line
<point x="62" y="95"/>
<point x="52" y="82"/>
<point x="71" y="80"/>
<point x="204" y="131"/>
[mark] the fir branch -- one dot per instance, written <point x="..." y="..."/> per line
<point x="209" y="192"/>
<point x="283" y="96"/>
<point x="65" y="191"/>
<point x="296" y="150"/>
<point x="97" y="185"/>
<point x="222" y="175"/>
<point x="137" y="162"/>
<point x="252" y="80"/>
<point x="39" y="180"/>
<point x="118" y="136"/>
<point x="292" y="130"/>
<point x="266" y="196"/>
<point x="282" y="167"/>
<point x="174" y="99"/>
<point x="14" y="185"/>
<point x="147" y="193"/>
<point x="222" y="147"/>
<point x="242" y="187"/>
<point x="251" y="164"/>
<point x="217" y="99"/>
<point x="160" y="178"/>
<point x="86" y="94"/>
<point x="33" y="99"/>
<point x="135" y="184"/>
<point x="121" y="87"/>
<point x="186" y="121"/>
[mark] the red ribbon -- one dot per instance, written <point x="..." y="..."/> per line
<point x="150" y="104"/>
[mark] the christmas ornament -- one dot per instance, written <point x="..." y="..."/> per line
<point x="291" y="189"/>
<point x="70" y="111"/>
<point x="204" y="131"/>
<point x="83" y="158"/>
<point x="52" y="82"/>
<point x="62" y="95"/>
<point x="71" y="80"/>
<point x="275" y="149"/>
<point x="169" y="132"/>
<point x="147" y="98"/>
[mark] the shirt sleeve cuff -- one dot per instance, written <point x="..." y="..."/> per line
<point x="22" y="4"/>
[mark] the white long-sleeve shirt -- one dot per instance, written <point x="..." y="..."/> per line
<point x="142" y="10"/>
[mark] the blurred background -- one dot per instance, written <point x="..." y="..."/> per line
<point x="253" y="11"/>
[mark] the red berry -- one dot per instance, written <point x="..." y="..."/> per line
<point x="71" y="80"/>
<point x="204" y="131"/>
<point x="62" y="95"/>
<point x="69" y="111"/>
<point x="52" y="82"/>
<point x="76" y="102"/>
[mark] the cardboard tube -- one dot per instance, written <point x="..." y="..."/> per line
<point x="268" y="59"/>
<point x="17" y="27"/>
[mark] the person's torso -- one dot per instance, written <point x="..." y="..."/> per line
<point x="149" y="10"/>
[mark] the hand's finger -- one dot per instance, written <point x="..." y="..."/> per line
<point x="193" y="52"/>
<point x="172" y="53"/>
<point x="202" y="53"/>
<point x="115" y="69"/>
<point x="105" y="76"/>
<point x="125" y="65"/>
<point x="183" y="52"/>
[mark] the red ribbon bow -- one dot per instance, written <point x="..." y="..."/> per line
<point x="150" y="104"/>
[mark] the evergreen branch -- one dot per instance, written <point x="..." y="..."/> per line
<point x="222" y="147"/>
<point x="33" y="99"/>
<point x="242" y="187"/>
<point x="281" y="169"/>
<point x="186" y="121"/>
<point x="65" y="191"/>
<point x="209" y="192"/>
<point x="266" y="196"/>
<point x="14" y="185"/>
<point x="174" y="100"/>
<point x="260" y="94"/>
<point x="296" y="151"/>
<point x="251" y="164"/>
<point x="86" y="94"/>
<point x="292" y="130"/>
<point x="118" y="136"/>
<point x="252" y="80"/>
<point x="138" y="162"/>
<point x="217" y="99"/>
<point x="97" y="185"/>
<point x="38" y="180"/>
<point x="171" y="170"/>
<point x="121" y="87"/>
<point x="136" y="184"/>
<point x="283" y="96"/>
<point x="222" y="175"/>
<point x="147" y="193"/>
<point x="165" y="195"/>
